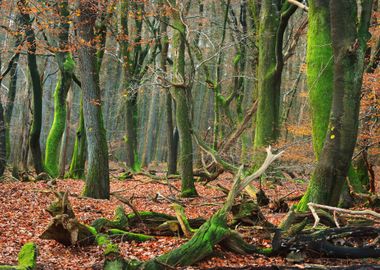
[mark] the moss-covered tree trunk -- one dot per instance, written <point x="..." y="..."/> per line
<point x="319" y="78"/>
<point x="78" y="160"/>
<point x="66" y="68"/>
<point x="35" y="131"/>
<point x="274" y="17"/>
<point x="349" y="44"/>
<point x="319" y="70"/>
<point x="180" y="93"/>
<point x="97" y="179"/>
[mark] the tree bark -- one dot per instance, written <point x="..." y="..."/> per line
<point x="78" y="160"/>
<point x="172" y="151"/>
<point x="35" y="131"/>
<point x="181" y="97"/>
<point x="66" y="66"/>
<point x="274" y="18"/>
<point x="349" y="45"/>
<point x="97" y="179"/>
<point x="3" y="152"/>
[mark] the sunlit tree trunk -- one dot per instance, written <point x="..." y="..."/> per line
<point x="97" y="179"/>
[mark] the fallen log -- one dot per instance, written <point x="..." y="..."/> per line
<point x="335" y="242"/>
<point x="27" y="258"/>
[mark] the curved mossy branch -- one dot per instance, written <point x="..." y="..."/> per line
<point x="156" y="223"/>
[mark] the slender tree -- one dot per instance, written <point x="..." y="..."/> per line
<point x="181" y="94"/>
<point x="164" y="40"/>
<point x="274" y="17"/>
<point x="35" y="132"/>
<point x="3" y="153"/>
<point x="97" y="179"/>
<point x="78" y="159"/>
<point x="66" y="68"/>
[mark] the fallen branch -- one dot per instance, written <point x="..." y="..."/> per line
<point x="299" y="4"/>
<point x="312" y="207"/>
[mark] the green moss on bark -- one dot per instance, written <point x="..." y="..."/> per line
<point x="27" y="256"/>
<point x="181" y="96"/>
<point x="59" y="122"/>
<point x="78" y="160"/>
<point x="319" y="70"/>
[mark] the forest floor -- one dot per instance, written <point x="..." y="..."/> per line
<point x="23" y="218"/>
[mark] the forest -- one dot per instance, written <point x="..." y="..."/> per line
<point x="193" y="134"/>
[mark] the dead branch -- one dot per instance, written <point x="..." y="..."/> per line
<point x="239" y="130"/>
<point x="312" y="207"/>
<point x="300" y="5"/>
<point x="130" y="205"/>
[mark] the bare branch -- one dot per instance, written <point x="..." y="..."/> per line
<point x="312" y="207"/>
<point x="298" y="4"/>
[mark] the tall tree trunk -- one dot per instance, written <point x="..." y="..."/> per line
<point x="349" y="45"/>
<point x="66" y="67"/>
<point x="97" y="179"/>
<point x="181" y="95"/>
<point x="274" y="18"/>
<point x="65" y="138"/>
<point x="172" y="151"/>
<point x="35" y="132"/>
<point x="218" y="98"/>
<point x="78" y="160"/>
<point x="319" y="70"/>
<point x="3" y="142"/>
<point x="8" y="110"/>
<point x="133" y="70"/>
<point x="3" y="153"/>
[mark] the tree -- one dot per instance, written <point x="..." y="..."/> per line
<point x="274" y="17"/>
<point x="131" y="68"/>
<point x="78" y="159"/>
<point x="171" y="140"/>
<point x="3" y="153"/>
<point x="349" y="43"/>
<point x="35" y="132"/>
<point x="181" y="94"/>
<point x="97" y="179"/>
<point x="66" y="68"/>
